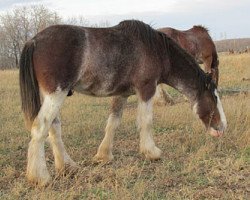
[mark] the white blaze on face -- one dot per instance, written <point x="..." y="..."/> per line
<point x="220" y="109"/>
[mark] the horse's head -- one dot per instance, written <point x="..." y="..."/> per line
<point x="209" y="109"/>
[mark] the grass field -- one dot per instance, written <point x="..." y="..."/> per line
<point x="193" y="165"/>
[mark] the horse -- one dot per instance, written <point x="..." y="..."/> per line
<point x="127" y="59"/>
<point x="198" y="43"/>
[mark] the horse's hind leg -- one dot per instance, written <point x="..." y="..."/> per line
<point x="62" y="159"/>
<point x="104" y="153"/>
<point x="37" y="171"/>
<point x="145" y="120"/>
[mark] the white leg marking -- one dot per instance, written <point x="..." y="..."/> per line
<point x="144" y="120"/>
<point x="104" y="153"/>
<point x="221" y="111"/>
<point x="62" y="159"/>
<point x="36" y="168"/>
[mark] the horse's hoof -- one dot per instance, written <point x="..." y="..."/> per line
<point x="40" y="181"/>
<point x="103" y="158"/>
<point x="152" y="154"/>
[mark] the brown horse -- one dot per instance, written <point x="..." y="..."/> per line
<point x="127" y="59"/>
<point x="198" y="43"/>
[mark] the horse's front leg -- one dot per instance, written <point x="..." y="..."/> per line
<point x="104" y="153"/>
<point x="145" y="121"/>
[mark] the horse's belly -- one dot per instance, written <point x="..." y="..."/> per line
<point x="102" y="89"/>
<point x="91" y="89"/>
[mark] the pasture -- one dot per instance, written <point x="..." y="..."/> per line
<point x="193" y="166"/>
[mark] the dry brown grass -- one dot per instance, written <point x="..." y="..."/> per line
<point x="193" y="165"/>
<point x="235" y="68"/>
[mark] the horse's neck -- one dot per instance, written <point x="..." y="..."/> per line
<point x="188" y="89"/>
<point x="184" y="75"/>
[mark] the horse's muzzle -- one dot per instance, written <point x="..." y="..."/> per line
<point x="216" y="133"/>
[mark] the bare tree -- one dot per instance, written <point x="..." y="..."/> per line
<point x="41" y="18"/>
<point x="78" y="21"/>
<point x="82" y="21"/>
<point x="6" y="55"/>
<point x="18" y="26"/>
<point x="22" y="23"/>
<point x="102" y="24"/>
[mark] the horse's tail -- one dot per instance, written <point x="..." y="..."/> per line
<point x="215" y="67"/>
<point x="29" y="89"/>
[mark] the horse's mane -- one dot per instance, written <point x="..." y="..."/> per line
<point x="160" y="41"/>
<point x="140" y="30"/>
<point x="200" y="27"/>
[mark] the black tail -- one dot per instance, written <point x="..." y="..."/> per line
<point x="215" y="67"/>
<point x="29" y="89"/>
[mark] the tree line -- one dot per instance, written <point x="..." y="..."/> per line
<point x="22" y="23"/>
<point x="233" y="45"/>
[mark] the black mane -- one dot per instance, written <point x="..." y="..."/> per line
<point x="142" y="31"/>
